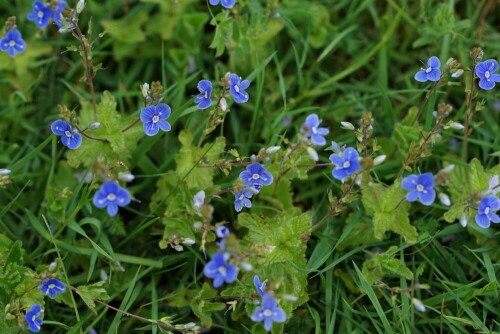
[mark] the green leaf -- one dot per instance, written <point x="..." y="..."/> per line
<point x="385" y="264"/>
<point x="203" y="307"/>
<point x="92" y="292"/>
<point x="390" y="210"/>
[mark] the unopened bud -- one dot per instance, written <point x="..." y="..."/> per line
<point x="347" y="125"/>
<point x="273" y="149"/>
<point x="126" y="177"/>
<point x="448" y="168"/>
<point x="463" y="221"/>
<point x="445" y="199"/>
<point x="378" y="160"/>
<point x="418" y="304"/>
<point x="145" y="90"/>
<point x="53" y="266"/>
<point x="457" y="73"/>
<point x="312" y="154"/>
<point x="456" y="125"/>
<point x="336" y="147"/>
<point x="79" y="6"/>
<point x="5" y="171"/>
<point x="223" y="104"/>
<point x="246" y="266"/>
<point x="94" y="125"/>
<point x="189" y="241"/>
<point x="197" y="225"/>
<point x="179" y="248"/>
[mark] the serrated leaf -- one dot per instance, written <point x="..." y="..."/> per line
<point x="89" y="293"/>
<point x="203" y="307"/>
<point x="385" y="264"/>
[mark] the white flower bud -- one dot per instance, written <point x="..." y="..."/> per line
<point x="418" y="304"/>
<point x="189" y="241"/>
<point x="456" y="125"/>
<point x="197" y="225"/>
<point x="198" y="200"/>
<point x="253" y="158"/>
<point x="223" y="104"/>
<point x="145" y="90"/>
<point x="126" y="177"/>
<point x="246" y="266"/>
<point x="104" y="275"/>
<point x="273" y="149"/>
<point x="53" y="266"/>
<point x="179" y="248"/>
<point x="336" y="147"/>
<point x="435" y="114"/>
<point x="5" y="171"/>
<point x="448" y="168"/>
<point x="94" y="125"/>
<point x="378" y="160"/>
<point x="312" y="154"/>
<point x="457" y="73"/>
<point x="463" y="221"/>
<point x="290" y="298"/>
<point x="445" y="199"/>
<point x="347" y="125"/>
<point x="79" y="6"/>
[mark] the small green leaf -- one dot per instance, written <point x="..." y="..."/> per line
<point x="92" y="292"/>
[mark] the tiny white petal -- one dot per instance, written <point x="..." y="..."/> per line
<point x="418" y="304"/>
<point x="456" y="126"/>
<point x="273" y="149"/>
<point x="312" y="154"/>
<point x="347" y="125"/>
<point x="179" y="248"/>
<point x="126" y="177"/>
<point x="5" y="171"/>
<point x="79" y="6"/>
<point x="378" y="160"/>
<point x="463" y="221"/>
<point x="445" y="199"/>
<point x="223" y="104"/>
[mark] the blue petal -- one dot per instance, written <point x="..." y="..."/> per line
<point x="231" y="274"/>
<point x="312" y="121"/>
<point x="336" y="160"/>
<point x="434" y="75"/>
<point x="494" y="218"/>
<point x="410" y="182"/>
<point x="204" y="103"/>
<point x="122" y="197"/>
<point x="278" y="315"/>
<point x="244" y="84"/>
<point x="412" y="196"/>
<point x="322" y="131"/>
<point x="100" y="199"/>
<point x="112" y="209"/>
<point x="421" y="76"/>
<point x="268" y="324"/>
<point x="151" y="128"/>
<point x="214" y="2"/>
<point x="75" y="141"/>
<point x="426" y="179"/>
<point x="164" y="125"/>
<point x="268" y="302"/>
<point x="434" y="62"/>
<point x="147" y="114"/>
<point x="491" y="65"/>
<point x="495" y="77"/>
<point x="340" y="173"/>
<point x="247" y="203"/>
<point x="427" y="197"/>
<point x="110" y="187"/>
<point x="238" y="205"/>
<point x="163" y="111"/>
<point x="483" y="220"/>
<point x="481" y="69"/>
<point x="486" y="84"/>
<point x="59" y="127"/>
<point x="258" y="315"/>
<point x="218" y="281"/>
<point x="241" y="97"/>
<point x="318" y="140"/>
<point x="205" y="85"/>
<point x="228" y="3"/>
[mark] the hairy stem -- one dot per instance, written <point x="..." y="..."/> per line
<point x="82" y="132"/>
<point x="131" y="125"/>
<point x="470" y="114"/>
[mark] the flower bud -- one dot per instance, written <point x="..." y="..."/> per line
<point x="189" y="241"/>
<point x="145" y="90"/>
<point x="312" y="154"/>
<point x="456" y="125"/>
<point x="418" y="304"/>
<point x="378" y="160"/>
<point x="246" y="266"/>
<point x="347" y="125"/>
<point x="336" y="147"/>
<point x="221" y="231"/>
<point x="53" y="266"/>
<point x="5" y="171"/>
<point x="126" y="177"/>
<point x="223" y="104"/>
<point x="463" y="221"/>
<point x="198" y="200"/>
<point x="197" y="225"/>
<point x="253" y="158"/>
<point x="273" y="149"/>
<point x="457" y="73"/>
<point x="79" y="6"/>
<point x="94" y="125"/>
<point x="449" y="168"/>
<point x="445" y="199"/>
<point x="179" y="248"/>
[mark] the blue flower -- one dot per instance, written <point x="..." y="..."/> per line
<point x="346" y="164"/>
<point x="68" y="137"/>
<point x="485" y="213"/>
<point x="220" y="270"/>
<point x="12" y="43"/>
<point x="242" y="200"/>
<point x="32" y="318"/>
<point x="259" y="286"/>
<point x="421" y="187"/>
<point x="41" y="14"/>
<point x="237" y="89"/>
<point x="486" y="73"/>
<point x="224" y="3"/>
<point x="204" y="100"/>
<point x="154" y="118"/>
<point x="310" y="128"/>
<point x="221" y="231"/>
<point x="269" y="312"/>
<point x="255" y="188"/>
<point x="111" y="195"/>
<point x="52" y="287"/>
<point x="255" y="173"/>
<point x="431" y="72"/>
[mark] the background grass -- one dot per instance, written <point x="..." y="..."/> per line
<point x="335" y="58"/>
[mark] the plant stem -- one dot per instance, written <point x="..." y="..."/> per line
<point x="469" y="116"/>
<point x="86" y="64"/>
<point x="131" y="125"/>
<point x="82" y="132"/>
<point x="424" y="102"/>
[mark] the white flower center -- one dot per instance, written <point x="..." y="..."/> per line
<point x="268" y="313"/>
<point x="67" y="133"/>
<point x="420" y="187"/>
<point x="33" y="318"/>
<point x="487" y="210"/>
<point x="222" y="270"/>
<point x="487" y="74"/>
<point x="236" y="88"/>
<point x="347" y="164"/>
<point x="51" y="286"/>
<point x="255" y="176"/>
<point x="12" y="43"/>
<point x="40" y="14"/>
<point x="314" y="130"/>
<point x="428" y="69"/>
<point x="156" y="119"/>
<point x="206" y="94"/>
<point x="111" y="197"/>
<point x="241" y="197"/>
